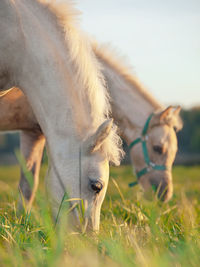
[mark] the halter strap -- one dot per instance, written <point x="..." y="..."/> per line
<point x="149" y="165"/>
<point x="146" y="126"/>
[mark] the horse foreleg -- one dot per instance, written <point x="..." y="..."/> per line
<point x="16" y="114"/>
<point x="31" y="146"/>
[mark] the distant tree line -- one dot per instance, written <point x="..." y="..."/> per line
<point x="188" y="138"/>
<point x="8" y="142"/>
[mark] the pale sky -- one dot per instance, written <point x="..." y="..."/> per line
<point x="160" y="38"/>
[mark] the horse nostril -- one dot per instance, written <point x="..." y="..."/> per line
<point x="96" y="186"/>
<point x="161" y="188"/>
<point x="163" y="191"/>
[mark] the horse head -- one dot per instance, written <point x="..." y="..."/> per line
<point x="153" y="153"/>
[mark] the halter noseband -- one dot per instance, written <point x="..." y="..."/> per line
<point x="149" y="164"/>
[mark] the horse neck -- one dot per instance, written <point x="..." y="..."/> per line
<point x="47" y="65"/>
<point x="131" y="104"/>
<point x="41" y="68"/>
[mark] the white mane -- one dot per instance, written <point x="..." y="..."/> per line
<point x="89" y="79"/>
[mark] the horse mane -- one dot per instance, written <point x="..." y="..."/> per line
<point x="89" y="80"/>
<point x="80" y="52"/>
<point x="109" y="55"/>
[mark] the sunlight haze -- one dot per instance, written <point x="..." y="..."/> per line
<point x="160" y="39"/>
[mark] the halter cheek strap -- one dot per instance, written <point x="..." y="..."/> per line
<point x="149" y="164"/>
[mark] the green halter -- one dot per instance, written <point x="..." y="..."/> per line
<point x="149" y="164"/>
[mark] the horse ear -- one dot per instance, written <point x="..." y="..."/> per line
<point x="178" y="125"/>
<point x="170" y="116"/>
<point x="97" y="139"/>
<point x="177" y="110"/>
<point x="164" y="115"/>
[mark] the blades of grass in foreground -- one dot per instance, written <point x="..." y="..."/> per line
<point x="133" y="232"/>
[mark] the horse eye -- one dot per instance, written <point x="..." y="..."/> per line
<point x="96" y="186"/>
<point x="158" y="149"/>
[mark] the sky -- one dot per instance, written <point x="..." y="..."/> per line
<point x="160" y="40"/>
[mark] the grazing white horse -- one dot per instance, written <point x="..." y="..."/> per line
<point x="132" y="105"/>
<point x="44" y="54"/>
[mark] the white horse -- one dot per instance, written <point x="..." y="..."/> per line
<point x="131" y="105"/>
<point x="43" y="53"/>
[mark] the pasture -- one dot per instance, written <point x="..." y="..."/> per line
<point x="133" y="232"/>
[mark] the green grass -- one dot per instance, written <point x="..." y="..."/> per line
<point x="134" y="231"/>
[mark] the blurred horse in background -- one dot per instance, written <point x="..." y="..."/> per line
<point x="147" y="127"/>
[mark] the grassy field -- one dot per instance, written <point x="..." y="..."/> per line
<point x="134" y="231"/>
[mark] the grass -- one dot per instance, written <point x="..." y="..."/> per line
<point x="134" y="231"/>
